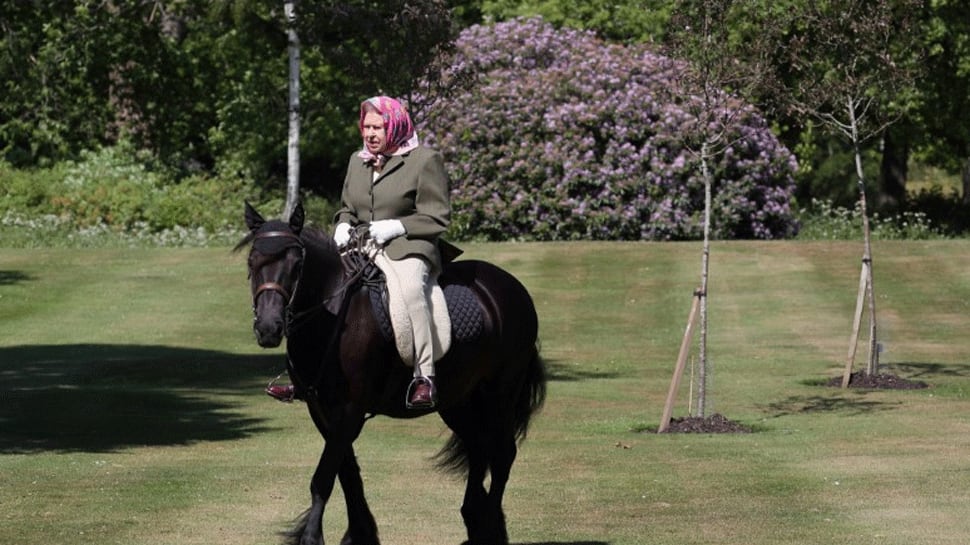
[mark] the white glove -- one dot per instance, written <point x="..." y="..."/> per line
<point x="384" y="230"/>
<point x="341" y="235"/>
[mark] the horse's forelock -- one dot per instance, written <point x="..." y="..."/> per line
<point x="244" y="242"/>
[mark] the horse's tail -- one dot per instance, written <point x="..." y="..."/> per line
<point x="293" y="537"/>
<point x="531" y="397"/>
<point x="453" y="456"/>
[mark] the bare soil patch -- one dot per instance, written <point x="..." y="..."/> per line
<point x="716" y="423"/>
<point x="878" y="381"/>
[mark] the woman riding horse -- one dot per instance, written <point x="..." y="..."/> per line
<point x="339" y="356"/>
<point x="400" y="188"/>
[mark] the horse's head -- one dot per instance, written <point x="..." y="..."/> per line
<point x="275" y="266"/>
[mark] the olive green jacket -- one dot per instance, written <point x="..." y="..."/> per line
<point x="412" y="188"/>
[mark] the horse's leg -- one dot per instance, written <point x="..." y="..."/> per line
<point x="471" y="446"/>
<point x="362" y="528"/>
<point x="309" y="530"/>
<point x="502" y="456"/>
<point x="475" y="502"/>
<point x="492" y="449"/>
<point x="482" y="511"/>
<point x="338" y="447"/>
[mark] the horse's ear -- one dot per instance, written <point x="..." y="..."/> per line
<point x="297" y="218"/>
<point x="253" y="219"/>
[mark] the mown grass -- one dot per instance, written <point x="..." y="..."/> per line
<point x="132" y="409"/>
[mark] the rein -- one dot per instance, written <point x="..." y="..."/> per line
<point x="357" y="260"/>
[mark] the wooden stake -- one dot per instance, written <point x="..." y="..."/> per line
<point x="679" y="367"/>
<point x="856" y="324"/>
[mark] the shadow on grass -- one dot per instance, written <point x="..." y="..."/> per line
<point x="853" y="405"/>
<point x="561" y="372"/>
<point x="567" y="543"/>
<point x="922" y="370"/>
<point x="99" y="398"/>
<point x="9" y="278"/>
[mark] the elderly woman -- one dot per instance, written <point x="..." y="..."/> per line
<point x="400" y="188"/>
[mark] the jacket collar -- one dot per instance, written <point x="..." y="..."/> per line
<point x="394" y="163"/>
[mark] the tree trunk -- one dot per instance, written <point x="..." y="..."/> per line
<point x="894" y="169"/>
<point x="965" y="178"/>
<point x="293" y="133"/>
<point x="873" y="362"/>
<point x="702" y="369"/>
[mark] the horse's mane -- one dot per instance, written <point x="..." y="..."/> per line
<point x="318" y="239"/>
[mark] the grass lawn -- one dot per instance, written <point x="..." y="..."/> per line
<point x="131" y="408"/>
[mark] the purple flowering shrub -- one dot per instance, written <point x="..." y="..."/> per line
<point x="564" y="137"/>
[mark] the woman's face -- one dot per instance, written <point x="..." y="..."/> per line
<point x="375" y="137"/>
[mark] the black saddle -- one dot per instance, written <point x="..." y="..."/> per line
<point x="464" y="308"/>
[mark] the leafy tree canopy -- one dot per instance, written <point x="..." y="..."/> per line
<point x="625" y="21"/>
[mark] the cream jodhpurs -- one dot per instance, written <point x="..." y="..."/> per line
<point x="412" y="279"/>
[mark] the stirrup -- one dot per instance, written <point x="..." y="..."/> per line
<point x="414" y="383"/>
<point x="272" y="388"/>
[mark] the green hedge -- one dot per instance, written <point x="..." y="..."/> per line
<point x="119" y="196"/>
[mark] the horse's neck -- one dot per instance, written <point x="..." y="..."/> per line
<point x="321" y="276"/>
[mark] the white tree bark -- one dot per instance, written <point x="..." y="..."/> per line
<point x="293" y="109"/>
<point x="702" y="368"/>
<point x="872" y="365"/>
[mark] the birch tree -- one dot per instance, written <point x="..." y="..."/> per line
<point x="721" y="72"/>
<point x="293" y="110"/>
<point x="851" y="67"/>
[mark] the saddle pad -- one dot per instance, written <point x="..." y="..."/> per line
<point x="467" y="321"/>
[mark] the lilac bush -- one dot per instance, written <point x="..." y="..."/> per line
<point x="563" y="137"/>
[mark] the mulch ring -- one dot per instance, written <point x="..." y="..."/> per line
<point x="882" y="381"/>
<point x="715" y="423"/>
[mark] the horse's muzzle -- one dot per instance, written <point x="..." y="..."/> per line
<point x="269" y="335"/>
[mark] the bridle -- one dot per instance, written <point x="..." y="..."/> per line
<point x="276" y="286"/>
<point x="356" y="261"/>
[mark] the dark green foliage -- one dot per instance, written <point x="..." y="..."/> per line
<point x="627" y="21"/>
<point x="201" y="84"/>
<point x="117" y="195"/>
<point x="80" y="75"/>
<point x="945" y="208"/>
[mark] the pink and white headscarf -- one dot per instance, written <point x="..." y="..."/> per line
<point x="398" y="128"/>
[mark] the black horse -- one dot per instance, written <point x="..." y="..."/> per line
<point x="490" y="385"/>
